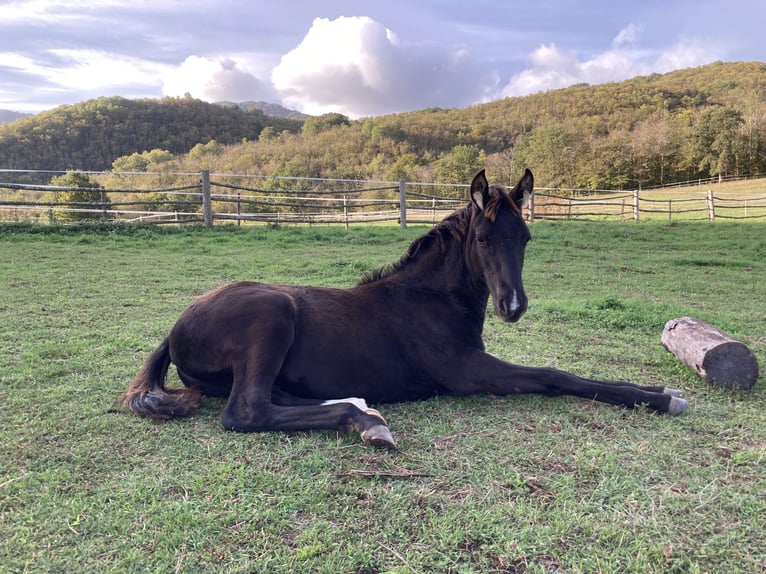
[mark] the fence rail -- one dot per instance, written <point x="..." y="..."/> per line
<point x="207" y="198"/>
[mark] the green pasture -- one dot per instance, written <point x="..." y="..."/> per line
<point x="519" y="484"/>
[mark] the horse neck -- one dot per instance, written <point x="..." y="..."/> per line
<point x="441" y="266"/>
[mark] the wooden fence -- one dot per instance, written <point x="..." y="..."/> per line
<point x="209" y="198"/>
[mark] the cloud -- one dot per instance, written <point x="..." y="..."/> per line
<point x="67" y="75"/>
<point x="94" y="70"/>
<point x="358" y="67"/>
<point x="215" y="80"/>
<point x="553" y="68"/>
<point x="627" y="35"/>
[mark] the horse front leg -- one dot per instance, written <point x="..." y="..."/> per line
<point x="487" y="374"/>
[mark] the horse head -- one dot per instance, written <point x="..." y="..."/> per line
<point x="497" y="240"/>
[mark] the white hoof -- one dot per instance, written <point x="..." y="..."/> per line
<point x="379" y="436"/>
<point x="672" y="392"/>
<point x="677" y="405"/>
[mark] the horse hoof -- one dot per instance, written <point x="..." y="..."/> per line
<point x="677" y="405"/>
<point x="379" y="436"/>
<point x="672" y="392"/>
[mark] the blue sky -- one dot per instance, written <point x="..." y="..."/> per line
<point x="357" y="57"/>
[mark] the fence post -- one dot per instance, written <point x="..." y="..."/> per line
<point x="207" y="208"/>
<point x="531" y="207"/>
<point x="710" y="205"/>
<point x="635" y="206"/>
<point x="345" y="210"/>
<point x="402" y="204"/>
<point x="103" y="204"/>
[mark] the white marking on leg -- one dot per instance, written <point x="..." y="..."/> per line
<point x="361" y="404"/>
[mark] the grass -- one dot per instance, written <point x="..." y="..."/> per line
<point x="483" y="484"/>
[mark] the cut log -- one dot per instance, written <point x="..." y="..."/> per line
<point x="711" y="353"/>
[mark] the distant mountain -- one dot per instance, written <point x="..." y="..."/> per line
<point x="268" y="109"/>
<point x="9" y="116"/>
<point x="92" y="134"/>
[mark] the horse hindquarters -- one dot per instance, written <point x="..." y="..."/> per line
<point x="487" y="374"/>
<point x="248" y="330"/>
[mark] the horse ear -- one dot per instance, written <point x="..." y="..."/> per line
<point x="480" y="190"/>
<point x="522" y="191"/>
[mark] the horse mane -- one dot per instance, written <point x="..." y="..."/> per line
<point x="452" y="227"/>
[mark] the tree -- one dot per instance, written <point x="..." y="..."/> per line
<point x="717" y="141"/>
<point x="317" y="124"/>
<point x="81" y="192"/>
<point x="211" y="148"/>
<point x="652" y="146"/>
<point x="549" y="150"/>
<point x="460" y="164"/>
<point x="141" y="161"/>
<point x="403" y="168"/>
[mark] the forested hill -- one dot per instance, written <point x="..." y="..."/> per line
<point x="92" y="134"/>
<point x="689" y="124"/>
<point x="274" y="110"/>
<point x="695" y="123"/>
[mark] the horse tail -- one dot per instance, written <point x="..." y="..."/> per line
<point x="147" y="396"/>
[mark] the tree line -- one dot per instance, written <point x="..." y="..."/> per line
<point x="92" y="134"/>
<point x="696" y="123"/>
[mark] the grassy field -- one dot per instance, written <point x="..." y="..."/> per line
<point x="519" y="484"/>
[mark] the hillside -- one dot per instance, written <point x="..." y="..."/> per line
<point x="92" y="134"/>
<point x="696" y="123"/>
<point x="689" y="124"/>
<point x="10" y="116"/>
<point x="268" y="108"/>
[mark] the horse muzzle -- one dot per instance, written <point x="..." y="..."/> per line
<point x="510" y="307"/>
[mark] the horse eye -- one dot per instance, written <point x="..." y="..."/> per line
<point x="483" y="238"/>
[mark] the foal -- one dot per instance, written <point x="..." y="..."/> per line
<point x="288" y="356"/>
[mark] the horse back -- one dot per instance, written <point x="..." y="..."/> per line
<point x="379" y="341"/>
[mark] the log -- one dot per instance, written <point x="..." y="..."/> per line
<point x="711" y="353"/>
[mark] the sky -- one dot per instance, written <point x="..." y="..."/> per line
<point x="359" y="58"/>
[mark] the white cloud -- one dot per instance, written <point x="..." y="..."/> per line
<point x="85" y="69"/>
<point x="39" y="81"/>
<point x="94" y="69"/>
<point x="684" y="54"/>
<point x="358" y="67"/>
<point x="55" y="11"/>
<point x="552" y="68"/>
<point x="215" y="80"/>
<point x="627" y="35"/>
